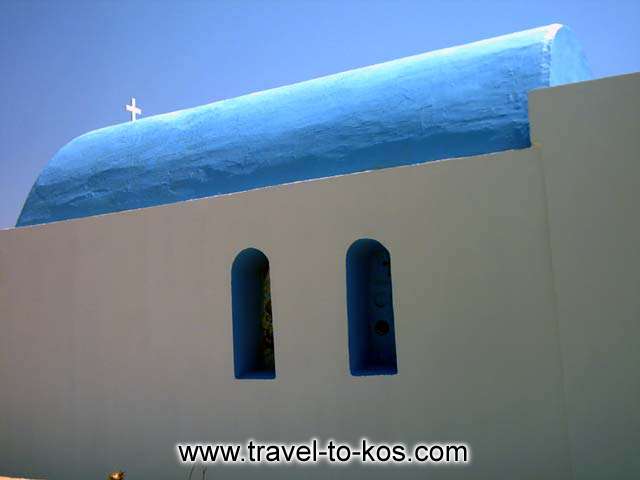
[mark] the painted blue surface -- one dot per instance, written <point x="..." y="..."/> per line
<point x="449" y="103"/>
<point x="372" y="337"/>
<point x="246" y="302"/>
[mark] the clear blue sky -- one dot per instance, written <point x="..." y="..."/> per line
<point x="69" y="67"/>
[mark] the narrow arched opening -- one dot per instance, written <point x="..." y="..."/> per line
<point x="253" y="346"/>
<point x="372" y="338"/>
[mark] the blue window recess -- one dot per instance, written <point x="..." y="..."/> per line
<point x="253" y="348"/>
<point x="372" y="338"/>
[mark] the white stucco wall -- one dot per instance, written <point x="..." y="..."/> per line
<point x="515" y="281"/>
<point x="589" y="134"/>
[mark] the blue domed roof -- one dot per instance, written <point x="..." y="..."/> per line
<point x="449" y="103"/>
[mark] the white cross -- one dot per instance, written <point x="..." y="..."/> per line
<point x="133" y="109"/>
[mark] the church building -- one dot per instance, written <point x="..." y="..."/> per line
<point x="441" y="248"/>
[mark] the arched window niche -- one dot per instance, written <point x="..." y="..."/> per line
<point x="253" y="347"/>
<point x="372" y="338"/>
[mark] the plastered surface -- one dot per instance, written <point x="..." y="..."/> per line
<point x="590" y="144"/>
<point x="455" y="102"/>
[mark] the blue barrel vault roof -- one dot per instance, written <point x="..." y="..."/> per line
<point x="460" y="101"/>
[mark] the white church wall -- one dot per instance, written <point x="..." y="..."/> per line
<point x="117" y="335"/>
<point x="590" y="147"/>
<point x="119" y="340"/>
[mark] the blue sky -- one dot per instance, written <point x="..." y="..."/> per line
<point x="69" y="67"/>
